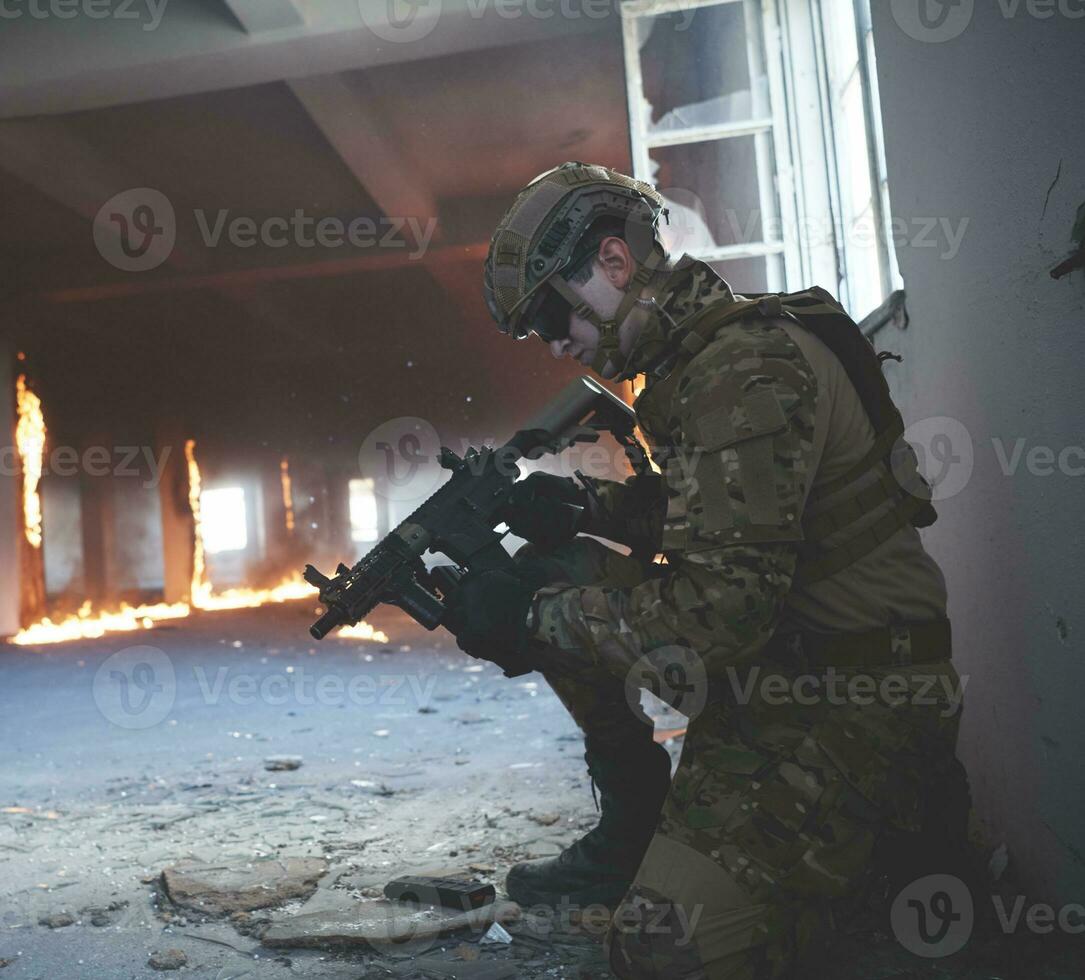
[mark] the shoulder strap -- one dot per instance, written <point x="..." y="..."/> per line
<point x="817" y="311"/>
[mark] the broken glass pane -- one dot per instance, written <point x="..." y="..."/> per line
<point x="745" y="276"/>
<point x="695" y="69"/>
<point x="712" y="192"/>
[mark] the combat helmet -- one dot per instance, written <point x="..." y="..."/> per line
<point x="540" y="239"/>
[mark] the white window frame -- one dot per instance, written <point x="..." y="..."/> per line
<point x="803" y="42"/>
<point x="766" y="130"/>
<point x="804" y="194"/>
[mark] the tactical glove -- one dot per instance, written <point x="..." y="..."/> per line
<point x="488" y="614"/>
<point x="547" y="510"/>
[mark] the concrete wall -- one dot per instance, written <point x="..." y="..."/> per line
<point x="977" y="127"/>
<point x="62" y="527"/>
<point x="137" y="535"/>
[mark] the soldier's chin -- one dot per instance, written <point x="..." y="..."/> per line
<point x="610" y="369"/>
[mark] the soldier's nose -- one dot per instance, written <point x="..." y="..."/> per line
<point x="559" y="347"/>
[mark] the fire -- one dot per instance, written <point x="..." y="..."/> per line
<point x="362" y="631"/>
<point x="293" y="588"/>
<point x="202" y="596"/>
<point x="195" y="487"/>
<point x="636" y="386"/>
<point x="30" y="440"/>
<point x="288" y="493"/>
<point x="88" y="624"/>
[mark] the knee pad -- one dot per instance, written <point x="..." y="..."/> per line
<point x="650" y="939"/>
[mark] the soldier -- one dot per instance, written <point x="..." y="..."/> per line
<point x="787" y="511"/>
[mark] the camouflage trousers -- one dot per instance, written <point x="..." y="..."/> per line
<point x="595" y="698"/>
<point x="782" y="794"/>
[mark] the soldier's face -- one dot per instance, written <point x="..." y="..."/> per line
<point x="604" y="294"/>
<point x="581" y="344"/>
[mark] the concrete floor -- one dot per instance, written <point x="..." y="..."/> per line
<point x="414" y="758"/>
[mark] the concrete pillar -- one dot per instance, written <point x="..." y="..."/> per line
<point x="96" y="514"/>
<point x="178" y="532"/>
<point x="337" y="526"/>
<point x="10" y="505"/>
<point x="282" y="542"/>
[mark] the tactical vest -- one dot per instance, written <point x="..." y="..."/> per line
<point x="898" y="480"/>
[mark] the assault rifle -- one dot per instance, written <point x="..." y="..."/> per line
<point x="459" y="520"/>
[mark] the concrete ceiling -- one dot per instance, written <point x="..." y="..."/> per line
<point x="259" y="108"/>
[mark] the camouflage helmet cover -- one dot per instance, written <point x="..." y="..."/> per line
<point x="539" y="234"/>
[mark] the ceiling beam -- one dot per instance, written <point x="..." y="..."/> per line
<point x="458" y="271"/>
<point x="465" y="257"/>
<point x="163" y="50"/>
<point x="258" y="16"/>
<point x="45" y="154"/>
<point x="345" y="110"/>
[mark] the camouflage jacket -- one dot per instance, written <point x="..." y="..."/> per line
<point x="732" y="428"/>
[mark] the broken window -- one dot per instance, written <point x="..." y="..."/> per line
<point x="703" y="132"/>
<point x="758" y="121"/>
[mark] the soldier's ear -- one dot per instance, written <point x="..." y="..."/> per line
<point x="617" y="260"/>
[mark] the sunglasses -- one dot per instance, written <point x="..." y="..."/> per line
<point x="548" y="315"/>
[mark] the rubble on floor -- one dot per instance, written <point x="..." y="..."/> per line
<point x="260" y="884"/>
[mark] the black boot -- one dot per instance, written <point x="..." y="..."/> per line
<point x="598" y="869"/>
<point x="941" y="846"/>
